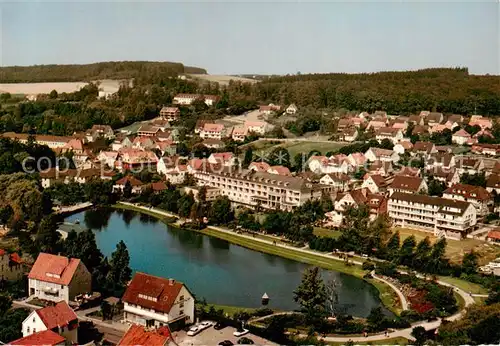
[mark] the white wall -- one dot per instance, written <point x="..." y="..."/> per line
<point x="39" y="286"/>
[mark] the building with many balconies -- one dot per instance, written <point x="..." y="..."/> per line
<point x="444" y="217"/>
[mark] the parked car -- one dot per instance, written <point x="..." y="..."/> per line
<point x="245" y="341"/>
<point x="206" y="324"/>
<point x="226" y="343"/>
<point x="239" y="333"/>
<point x="193" y="330"/>
<point x="219" y="326"/>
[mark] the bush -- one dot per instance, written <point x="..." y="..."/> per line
<point x="367" y="265"/>
<point x="262" y="312"/>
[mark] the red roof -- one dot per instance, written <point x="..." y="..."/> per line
<point x="461" y="133"/>
<point x="280" y="170"/>
<point x="158" y="186"/>
<point x="407" y="183"/>
<point x="53" y="268"/>
<point x="2" y="252"/>
<point x="46" y="338"/>
<point x="14" y="257"/>
<point x="137" y="335"/>
<point x="469" y="191"/>
<point x="133" y="181"/>
<point x="58" y="315"/>
<point x="494" y="234"/>
<point x="163" y="291"/>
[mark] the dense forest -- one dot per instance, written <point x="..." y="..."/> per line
<point x="88" y="72"/>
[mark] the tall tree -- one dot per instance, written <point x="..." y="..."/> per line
<point x="470" y="263"/>
<point x="47" y="238"/>
<point x="311" y="294"/>
<point x="393" y="246"/>
<point x="120" y="272"/>
<point x="406" y="251"/>
<point x="220" y="212"/>
<point x="248" y="157"/>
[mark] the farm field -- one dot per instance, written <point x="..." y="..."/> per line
<point x="60" y="87"/>
<point x="456" y="249"/>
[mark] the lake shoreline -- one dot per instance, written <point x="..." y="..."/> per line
<point x="390" y="302"/>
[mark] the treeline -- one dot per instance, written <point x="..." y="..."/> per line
<point x="443" y="90"/>
<point x="87" y="72"/>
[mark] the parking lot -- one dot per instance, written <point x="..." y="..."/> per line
<point x="210" y="336"/>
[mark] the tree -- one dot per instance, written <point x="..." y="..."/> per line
<point x="420" y="335"/>
<point x="106" y="310"/>
<point x="375" y="318"/>
<point x="436" y="188"/>
<point x="470" y="263"/>
<point x="47" y="238"/>
<point x="127" y="190"/>
<point x="120" y="272"/>
<point x="437" y="262"/>
<point x="220" y="212"/>
<point x="406" y="251"/>
<point x="332" y="297"/>
<point x="393" y="246"/>
<point x="185" y="204"/>
<point x="53" y="94"/>
<point x="311" y="294"/>
<point x="5" y="303"/>
<point x="422" y="252"/>
<point x="279" y="157"/>
<point x="248" y="157"/>
<point x="386" y="144"/>
<point x="326" y="202"/>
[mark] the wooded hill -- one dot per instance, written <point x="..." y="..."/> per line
<point x="440" y="89"/>
<point x="96" y="71"/>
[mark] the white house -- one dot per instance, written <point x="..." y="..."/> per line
<point x="378" y="154"/>
<point x="461" y="137"/>
<point x="292" y="109"/>
<point x="108" y="158"/>
<point x="59" y="318"/>
<point x="402" y="147"/>
<point x="225" y="159"/>
<point x="257" y="127"/>
<point x="214" y="131"/>
<point x="393" y="134"/>
<point x="153" y="301"/>
<point x="376" y="183"/>
<point x="339" y="181"/>
<point x="187" y="99"/>
<point x="57" y="278"/>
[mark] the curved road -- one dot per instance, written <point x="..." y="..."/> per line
<point x="402" y="298"/>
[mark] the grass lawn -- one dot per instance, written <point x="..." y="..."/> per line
<point x="479" y="300"/>
<point x="230" y="310"/>
<point x="306" y="147"/>
<point x="460" y="300"/>
<point x="388" y="297"/>
<point x="325" y="232"/>
<point x="390" y="341"/>
<point x="464" y="285"/>
<point x="162" y="218"/>
<point x="457" y="248"/>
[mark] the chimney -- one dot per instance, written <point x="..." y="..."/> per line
<point x="171" y="282"/>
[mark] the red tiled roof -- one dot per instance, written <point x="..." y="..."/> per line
<point x="259" y="166"/>
<point x="158" y="186"/>
<point x="406" y="183"/>
<point x="493" y="181"/>
<point x="45" y="338"/>
<point x="61" y="269"/>
<point x="58" y="315"/>
<point x="163" y="290"/>
<point x="461" y="133"/>
<point x="137" y="335"/>
<point x="2" y="252"/>
<point x="14" y="257"/>
<point x="281" y="170"/>
<point x="133" y="181"/>
<point x="469" y="191"/>
<point x="495" y="234"/>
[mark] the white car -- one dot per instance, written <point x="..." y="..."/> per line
<point x="193" y="330"/>
<point x="238" y="334"/>
<point x="205" y="324"/>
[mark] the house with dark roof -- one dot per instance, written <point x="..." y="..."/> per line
<point x="135" y="183"/>
<point x="493" y="183"/>
<point x="57" y="278"/>
<point x="376" y="183"/>
<point x="45" y="338"/>
<point x="477" y="195"/>
<point x="469" y="165"/>
<point x="152" y="301"/>
<point x="377" y="204"/>
<point x="339" y="181"/>
<point x="449" y="176"/>
<point x="60" y="319"/>
<point x="424" y="148"/>
<point x="407" y="184"/>
<point x="443" y="217"/>
<point x="12" y="267"/>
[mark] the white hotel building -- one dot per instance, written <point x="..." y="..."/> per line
<point x="444" y="217"/>
<point x="270" y="190"/>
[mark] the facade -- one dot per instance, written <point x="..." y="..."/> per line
<point x="148" y="131"/>
<point x="378" y="154"/>
<point x="57" y="278"/>
<point x="349" y="135"/>
<point x="393" y="134"/>
<point x="239" y="133"/>
<point x="493" y="183"/>
<point x="376" y="203"/>
<point x="60" y="319"/>
<point x="376" y="183"/>
<point x="11" y="266"/>
<point x="153" y="301"/>
<point x="187" y="99"/>
<point x="257" y="127"/>
<point x="211" y="192"/>
<point x="292" y="109"/>
<point x="477" y="195"/>
<point x="444" y="217"/>
<point x="212" y="131"/>
<point x="407" y="184"/>
<point x="270" y="191"/>
<point x="135" y="183"/>
<point x="339" y="181"/>
<point x="269" y="109"/>
<point x="53" y="142"/>
<point x="170" y="113"/>
<point x="461" y="137"/>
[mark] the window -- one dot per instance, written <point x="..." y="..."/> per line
<point x="28" y="330"/>
<point x="181" y="312"/>
<point x="33" y="320"/>
<point x="62" y="286"/>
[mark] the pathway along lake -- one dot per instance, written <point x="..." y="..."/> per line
<point x="221" y="272"/>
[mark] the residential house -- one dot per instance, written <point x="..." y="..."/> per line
<point x="444" y="217"/>
<point x="239" y="133"/>
<point x="187" y="99"/>
<point x="400" y="123"/>
<point x="402" y="147"/>
<point x="270" y="191"/>
<point x="409" y="171"/>
<point x="461" y="137"/>
<point x="376" y="203"/>
<point x="166" y="147"/>
<point x="53" y="142"/>
<point x="477" y="195"/>
<point x="269" y="109"/>
<point x="376" y="124"/>
<point x="469" y="165"/>
<point x="225" y="159"/>
<point x="344" y="124"/>
<point x="339" y="181"/>
<point x="141" y="336"/>
<point x="45" y="338"/>
<point x="135" y="183"/>
<point x="81" y="176"/>
<point x="57" y="278"/>
<point x="416" y="120"/>
<point x="211" y="193"/>
<point x="99" y="131"/>
<point x="279" y="170"/>
<point x="358" y="122"/>
<point x="214" y="143"/>
<point x="425" y="149"/>
<point x="449" y="176"/>
<point x="380" y="114"/>
<point x="257" y="127"/>
<point x="493" y="183"/>
<point x="259" y="166"/>
<point x="434" y="118"/>
<point x="144" y="143"/>
<point x="121" y="142"/>
<point x="364" y="115"/>
<point x="376" y="183"/>
<point x="60" y="319"/>
<point x="334" y="164"/>
<point x="213" y="131"/>
<point x="440" y="160"/>
<point x="407" y="184"/>
<point x="12" y="267"/>
<point x="383" y="168"/>
<point x="486" y="149"/>
<point x="356" y="159"/>
<point x="455" y="119"/>
<point x="349" y="135"/>
<point x="132" y="158"/>
<point x="493" y="236"/>
<point x="420" y="130"/>
<point x="170" y="113"/>
<point x="379" y="154"/>
<point x="148" y="131"/>
<point x="162" y="124"/>
<point x="292" y="109"/>
<point x="153" y="301"/>
<point x="482" y="122"/>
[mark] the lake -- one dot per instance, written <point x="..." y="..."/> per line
<point x="214" y="269"/>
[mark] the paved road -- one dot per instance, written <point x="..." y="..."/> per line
<point x="402" y="298"/>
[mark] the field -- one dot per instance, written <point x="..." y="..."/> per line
<point x="325" y="232"/>
<point x="45" y="88"/>
<point x="390" y="341"/>
<point x="456" y="249"/>
<point x="221" y="79"/>
<point x="298" y="146"/>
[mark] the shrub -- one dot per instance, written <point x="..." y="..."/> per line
<point x="367" y="265"/>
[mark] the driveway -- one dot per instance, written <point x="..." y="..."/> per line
<point x="210" y="336"/>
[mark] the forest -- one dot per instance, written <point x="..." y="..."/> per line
<point x="88" y="72"/>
